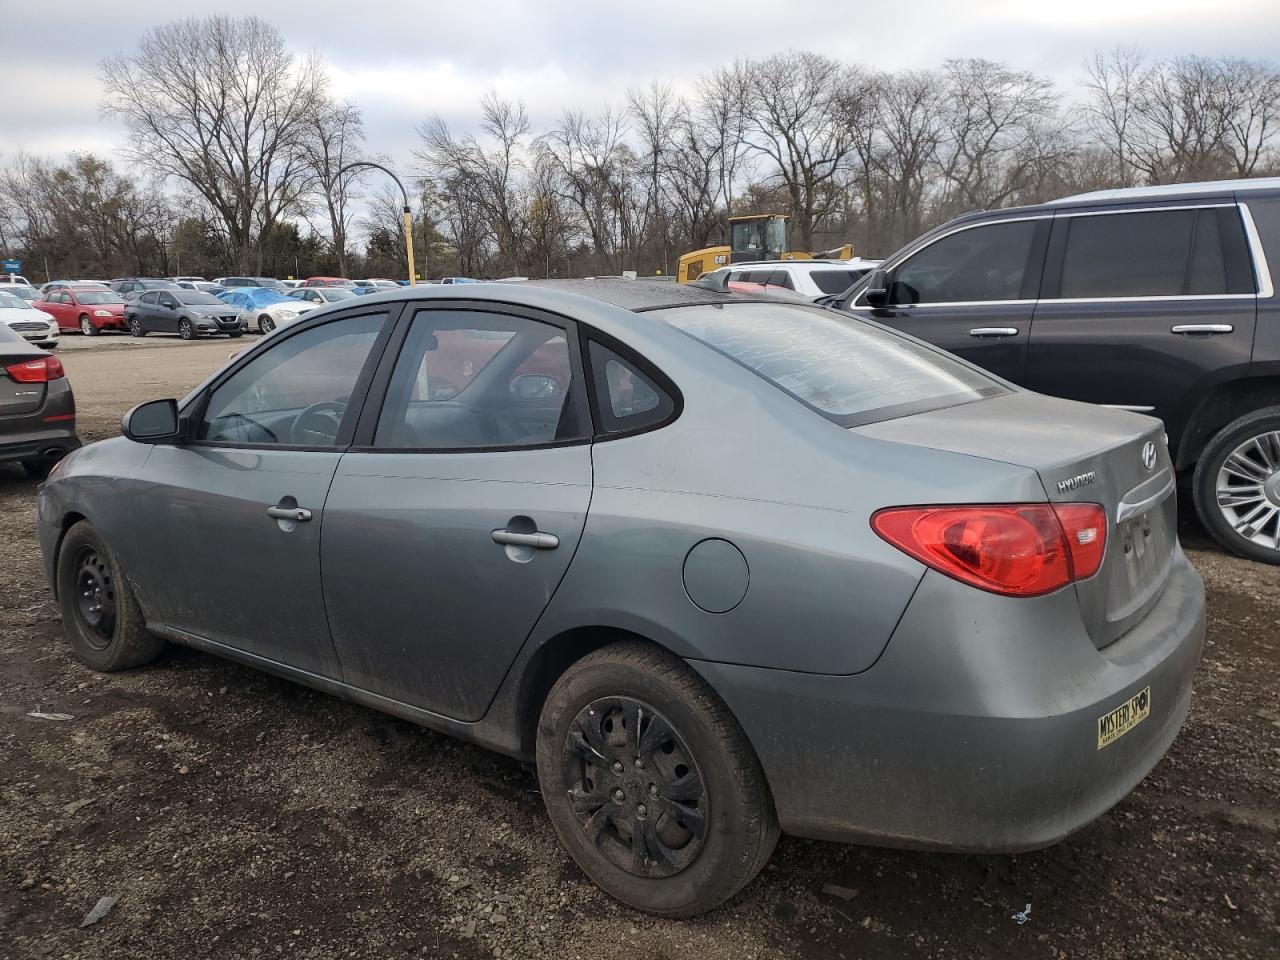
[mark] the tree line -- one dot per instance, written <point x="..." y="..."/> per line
<point x="236" y="150"/>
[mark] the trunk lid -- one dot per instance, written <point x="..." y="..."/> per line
<point x="1082" y="454"/>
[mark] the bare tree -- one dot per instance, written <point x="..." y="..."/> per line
<point x="219" y="103"/>
<point x="335" y="135"/>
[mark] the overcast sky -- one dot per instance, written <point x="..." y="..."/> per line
<point x="401" y="61"/>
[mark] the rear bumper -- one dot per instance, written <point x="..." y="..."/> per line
<point x="38" y="444"/>
<point x="977" y="730"/>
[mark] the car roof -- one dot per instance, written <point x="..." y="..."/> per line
<point x="1174" y="191"/>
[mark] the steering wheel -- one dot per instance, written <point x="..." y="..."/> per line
<point x="318" y="424"/>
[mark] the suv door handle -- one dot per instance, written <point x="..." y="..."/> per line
<point x="994" y="332"/>
<point x="1201" y="329"/>
<point x="296" y="514"/>
<point x="539" y="541"/>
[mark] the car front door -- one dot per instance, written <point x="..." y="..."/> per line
<point x="971" y="290"/>
<point x="1145" y="309"/>
<point x="454" y="516"/>
<point x="230" y="553"/>
<point x="58" y="305"/>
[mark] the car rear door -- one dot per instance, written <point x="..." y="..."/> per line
<point x="230" y="554"/>
<point x="454" y="515"/>
<point x="144" y="310"/>
<point x="1145" y="309"/>
<point x="971" y="289"/>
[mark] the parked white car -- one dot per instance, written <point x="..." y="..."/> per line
<point x="27" y="322"/>
<point x="809" y="278"/>
<point x="265" y="309"/>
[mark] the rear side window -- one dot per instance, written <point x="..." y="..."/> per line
<point x="849" y="371"/>
<point x="834" y="281"/>
<point x="627" y="399"/>
<point x="1156" y="253"/>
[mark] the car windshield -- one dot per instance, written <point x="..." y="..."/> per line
<point x="336" y="293"/>
<point x="98" y="296"/>
<point x="195" y="297"/>
<point x="850" y="371"/>
<point x="10" y="301"/>
<point x="264" y="297"/>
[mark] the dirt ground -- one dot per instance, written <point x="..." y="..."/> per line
<point x="236" y="815"/>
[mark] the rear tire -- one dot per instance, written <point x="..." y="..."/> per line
<point x="630" y="739"/>
<point x="135" y="328"/>
<point x="87" y="327"/>
<point x="1236" y="486"/>
<point x="100" y="614"/>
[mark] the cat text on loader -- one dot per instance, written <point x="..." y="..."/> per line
<point x="756" y="237"/>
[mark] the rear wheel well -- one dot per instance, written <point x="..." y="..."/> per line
<point x="549" y="663"/>
<point x="1220" y="407"/>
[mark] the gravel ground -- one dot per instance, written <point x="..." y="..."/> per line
<point x="236" y="815"/>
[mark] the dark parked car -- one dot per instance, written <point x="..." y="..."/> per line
<point x="130" y="287"/>
<point x="1159" y="300"/>
<point x="719" y="565"/>
<point x="37" y="409"/>
<point x="188" y="313"/>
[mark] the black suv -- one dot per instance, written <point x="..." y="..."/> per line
<point x="1157" y="299"/>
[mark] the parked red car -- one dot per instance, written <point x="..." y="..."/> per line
<point x="328" y="282"/>
<point x="89" y="310"/>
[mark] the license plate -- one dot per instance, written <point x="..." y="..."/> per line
<point x="1114" y="725"/>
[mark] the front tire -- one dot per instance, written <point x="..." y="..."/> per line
<point x="1237" y="486"/>
<point x="186" y="330"/>
<point x="87" y="327"/>
<point x="266" y="324"/>
<point x="651" y="784"/>
<point x="100" y="614"/>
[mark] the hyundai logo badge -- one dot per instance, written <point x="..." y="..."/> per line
<point x="1149" y="454"/>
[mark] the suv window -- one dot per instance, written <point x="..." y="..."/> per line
<point x="1155" y="253"/>
<point x="626" y="398"/>
<point x="849" y="371"/>
<point x="295" y="392"/>
<point x="980" y="263"/>
<point x="467" y="379"/>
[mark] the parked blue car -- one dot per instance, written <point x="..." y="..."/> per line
<point x="263" y="307"/>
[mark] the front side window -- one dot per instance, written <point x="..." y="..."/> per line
<point x="468" y="379"/>
<point x="978" y="264"/>
<point x="1155" y="253"/>
<point x="296" y="392"/>
<point x="849" y="371"/>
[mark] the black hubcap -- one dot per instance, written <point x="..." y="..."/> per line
<point x="636" y="787"/>
<point x="95" y="597"/>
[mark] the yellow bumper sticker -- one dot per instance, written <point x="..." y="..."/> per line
<point x="1114" y="725"/>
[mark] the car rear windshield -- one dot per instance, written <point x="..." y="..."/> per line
<point x="850" y="371"/>
<point x="835" y="281"/>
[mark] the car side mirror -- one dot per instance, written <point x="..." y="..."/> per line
<point x="877" y="289"/>
<point x="153" y="422"/>
<point x="530" y="387"/>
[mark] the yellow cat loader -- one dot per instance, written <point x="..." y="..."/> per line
<point x="756" y="237"/>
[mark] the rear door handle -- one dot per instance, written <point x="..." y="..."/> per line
<point x="539" y="541"/>
<point x="994" y="332"/>
<point x="296" y="514"/>
<point x="1201" y="329"/>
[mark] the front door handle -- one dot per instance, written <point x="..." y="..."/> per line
<point x="1201" y="329"/>
<point x="994" y="332"/>
<point x="296" y="514"/>
<point x="539" y="541"/>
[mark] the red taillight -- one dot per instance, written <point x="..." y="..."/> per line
<point x="41" y="370"/>
<point x="1019" y="549"/>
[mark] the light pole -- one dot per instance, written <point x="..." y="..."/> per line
<point x="408" y="218"/>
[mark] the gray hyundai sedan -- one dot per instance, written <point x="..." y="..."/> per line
<point x="720" y="566"/>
